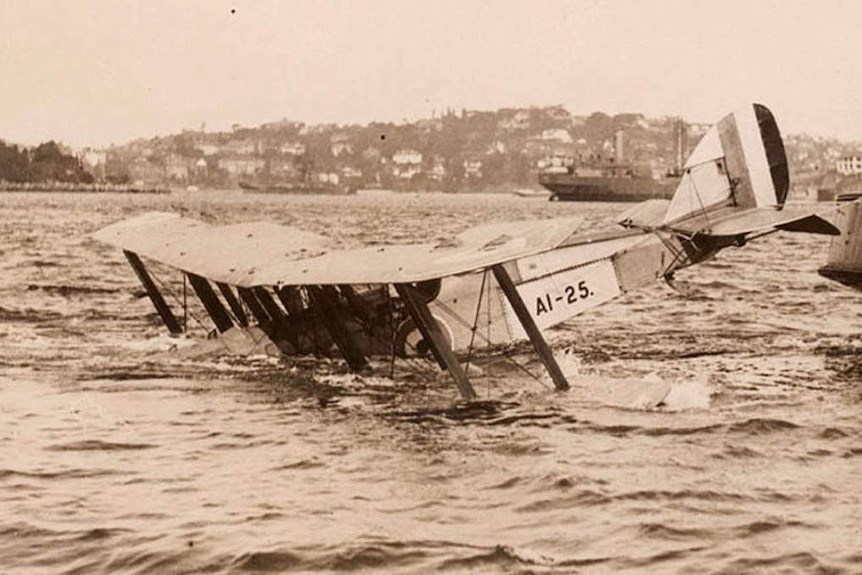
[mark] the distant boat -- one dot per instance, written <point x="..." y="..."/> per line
<point x="298" y="189"/>
<point x="531" y="193"/>
<point x="608" y="184"/>
<point x="614" y="180"/>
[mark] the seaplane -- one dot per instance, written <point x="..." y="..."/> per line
<point x="269" y="287"/>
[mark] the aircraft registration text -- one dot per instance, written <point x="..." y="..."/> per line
<point x="555" y="298"/>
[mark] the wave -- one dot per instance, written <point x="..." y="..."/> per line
<point x="28" y="315"/>
<point x="66" y="474"/>
<point x="501" y="556"/>
<point x="70" y="290"/>
<point x="668" y="533"/>
<point x="802" y="562"/>
<point x="359" y="558"/>
<point x="268" y="561"/>
<point x="762" y="426"/>
<point x="98" y="445"/>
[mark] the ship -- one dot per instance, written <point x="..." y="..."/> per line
<point x="612" y="183"/>
<point x="613" y="180"/>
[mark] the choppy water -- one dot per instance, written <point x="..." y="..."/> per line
<point x="117" y="458"/>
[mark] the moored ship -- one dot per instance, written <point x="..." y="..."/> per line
<point x="610" y="184"/>
<point x="614" y="180"/>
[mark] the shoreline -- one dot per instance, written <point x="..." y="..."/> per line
<point x="77" y="187"/>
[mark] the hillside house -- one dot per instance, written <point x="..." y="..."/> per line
<point x="406" y="164"/>
<point x="241" y="166"/>
<point x="473" y="169"/>
<point x="292" y="148"/>
<point x="849" y="164"/>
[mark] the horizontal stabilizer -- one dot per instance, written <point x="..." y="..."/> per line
<point x="648" y="214"/>
<point x="733" y="221"/>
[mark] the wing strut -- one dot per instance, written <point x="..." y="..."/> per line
<point x="327" y="299"/>
<point x="268" y="302"/>
<point x="233" y="302"/>
<point x="250" y="299"/>
<point x="208" y="297"/>
<point x="430" y="331"/>
<point x="539" y="344"/>
<point x="155" y="295"/>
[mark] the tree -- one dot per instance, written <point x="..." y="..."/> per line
<point x="13" y="163"/>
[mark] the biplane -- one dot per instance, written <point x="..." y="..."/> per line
<point x="266" y="284"/>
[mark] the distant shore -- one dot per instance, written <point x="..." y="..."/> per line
<point x="81" y="187"/>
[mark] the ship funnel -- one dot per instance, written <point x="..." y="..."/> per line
<point x="680" y="144"/>
<point x="619" y="151"/>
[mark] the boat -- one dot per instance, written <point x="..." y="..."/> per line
<point x="612" y="183"/>
<point x="298" y="189"/>
<point x="531" y="193"/>
<point x="613" y="179"/>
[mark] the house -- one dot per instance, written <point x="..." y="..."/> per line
<point x="519" y="120"/>
<point x="200" y="168"/>
<point x="557" y="135"/>
<point x="326" y="178"/>
<point x="849" y="164"/>
<point x="241" y="165"/>
<point x="438" y="170"/>
<point x="351" y="173"/>
<point x="207" y="149"/>
<point x="340" y="144"/>
<point x="406" y="164"/>
<point x="292" y="148"/>
<point x="496" y="147"/>
<point x="239" y="148"/>
<point x="472" y="169"/>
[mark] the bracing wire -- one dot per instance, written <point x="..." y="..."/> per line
<point x="476" y="319"/>
<point x="177" y="301"/>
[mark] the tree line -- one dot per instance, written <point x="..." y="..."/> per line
<point x="43" y="163"/>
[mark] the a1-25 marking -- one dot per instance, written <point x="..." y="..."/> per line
<point x="571" y="295"/>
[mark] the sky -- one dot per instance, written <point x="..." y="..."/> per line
<point x="101" y="72"/>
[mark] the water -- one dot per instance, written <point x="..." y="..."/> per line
<point x="115" y="456"/>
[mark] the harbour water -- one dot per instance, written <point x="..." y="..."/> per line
<point x="116" y="457"/>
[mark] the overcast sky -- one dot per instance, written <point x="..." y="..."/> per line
<point x="96" y="72"/>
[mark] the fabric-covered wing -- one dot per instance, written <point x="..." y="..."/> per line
<point x="249" y="255"/>
<point x="221" y="253"/>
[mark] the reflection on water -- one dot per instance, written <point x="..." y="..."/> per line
<point x="117" y="457"/>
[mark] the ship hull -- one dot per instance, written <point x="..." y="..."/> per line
<point x="569" y="188"/>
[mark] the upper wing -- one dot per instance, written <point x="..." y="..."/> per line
<point x="249" y="255"/>
<point x="221" y="253"/>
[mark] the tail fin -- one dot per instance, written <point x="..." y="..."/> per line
<point x="736" y="181"/>
<point x="740" y="162"/>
